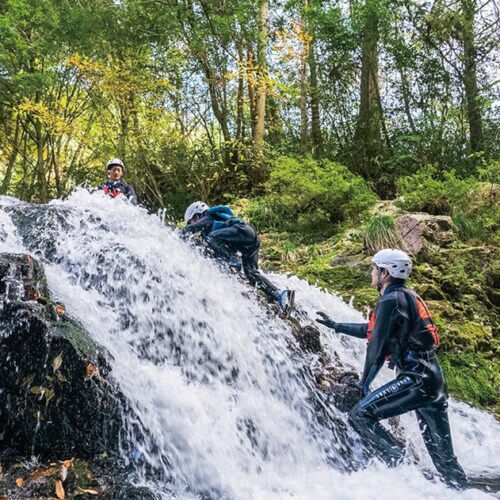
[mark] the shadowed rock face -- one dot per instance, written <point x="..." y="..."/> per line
<point x="55" y="398"/>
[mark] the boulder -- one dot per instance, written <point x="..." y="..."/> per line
<point x="56" y="397"/>
<point x="418" y="228"/>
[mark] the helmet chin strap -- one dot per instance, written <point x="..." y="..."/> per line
<point x="380" y="284"/>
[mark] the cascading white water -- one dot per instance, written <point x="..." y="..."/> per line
<point x="223" y="406"/>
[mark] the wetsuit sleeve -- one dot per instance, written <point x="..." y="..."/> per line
<point x="387" y="315"/>
<point x="358" y="330"/>
<point x="204" y="224"/>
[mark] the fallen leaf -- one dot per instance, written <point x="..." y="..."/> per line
<point x="60" y="309"/>
<point x="61" y="377"/>
<point x="63" y="473"/>
<point x="57" y="362"/>
<point x="325" y="383"/>
<point x="60" y="490"/>
<point x="42" y="473"/>
<point x="19" y="482"/>
<point x="1" y="472"/>
<point x="90" y="371"/>
<point x="49" y="394"/>
<point x="37" y="389"/>
<point x="83" y="491"/>
<point x="67" y="463"/>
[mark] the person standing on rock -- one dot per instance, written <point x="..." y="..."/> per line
<point x="114" y="186"/>
<point x="227" y="235"/>
<point x="401" y="330"/>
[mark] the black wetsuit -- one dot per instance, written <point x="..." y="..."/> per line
<point x="398" y="334"/>
<point x="235" y="236"/>
<point x="114" y="189"/>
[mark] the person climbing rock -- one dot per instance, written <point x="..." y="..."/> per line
<point x="226" y="236"/>
<point x="114" y="186"/>
<point x="401" y="331"/>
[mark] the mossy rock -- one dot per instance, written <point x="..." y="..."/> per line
<point x="468" y="336"/>
<point x="55" y="393"/>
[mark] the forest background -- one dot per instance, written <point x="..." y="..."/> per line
<point x="302" y="114"/>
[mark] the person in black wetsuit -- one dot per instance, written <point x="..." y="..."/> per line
<point x="114" y="186"/>
<point x="401" y="330"/>
<point x="226" y="235"/>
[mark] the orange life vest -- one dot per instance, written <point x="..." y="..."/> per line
<point x="422" y="323"/>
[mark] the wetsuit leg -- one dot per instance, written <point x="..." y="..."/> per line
<point x="420" y="386"/>
<point x="435" y="428"/>
<point x="254" y="276"/>
<point x="396" y="397"/>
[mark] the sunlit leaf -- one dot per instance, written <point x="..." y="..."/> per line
<point x="63" y="473"/>
<point x="83" y="491"/>
<point x="90" y="371"/>
<point x="60" y="490"/>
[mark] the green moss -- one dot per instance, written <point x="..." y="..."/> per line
<point x="473" y="377"/>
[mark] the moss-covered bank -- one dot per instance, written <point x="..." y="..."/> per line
<point x="460" y="284"/>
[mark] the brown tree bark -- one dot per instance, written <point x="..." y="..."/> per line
<point x="260" y="107"/>
<point x="16" y="141"/>
<point x="317" y="139"/>
<point x="368" y="143"/>
<point x="470" y="77"/>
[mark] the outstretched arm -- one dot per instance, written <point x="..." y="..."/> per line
<point x="358" y="330"/>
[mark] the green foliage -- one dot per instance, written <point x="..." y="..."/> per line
<point x="381" y="232"/>
<point x="306" y="195"/>
<point x="472" y="203"/>
<point x="425" y="191"/>
<point x="467" y="228"/>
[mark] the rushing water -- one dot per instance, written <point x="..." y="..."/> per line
<point x="224" y="404"/>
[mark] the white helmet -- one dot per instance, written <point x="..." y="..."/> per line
<point x="198" y="207"/>
<point x="113" y="162"/>
<point x="397" y="262"/>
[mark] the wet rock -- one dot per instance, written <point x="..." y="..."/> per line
<point x="340" y="383"/>
<point x="308" y="338"/>
<point x="56" y="398"/>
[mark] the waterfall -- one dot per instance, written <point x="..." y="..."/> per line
<point x="223" y="402"/>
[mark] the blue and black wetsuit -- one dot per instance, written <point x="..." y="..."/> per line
<point x="226" y="235"/>
<point x="401" y="331"/>
<point x="114" y="189"/>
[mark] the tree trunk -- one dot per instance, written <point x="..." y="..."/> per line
<point x="470" y="78"/>
<point x="43" y="191"/>
<point x="317" y="140"/>
<point x="12" y="159"/>
<point x="251" y="88"/>
<point x="368" y="144"/>
<point x="304" y="84"/>
<point x="260" y="122"/>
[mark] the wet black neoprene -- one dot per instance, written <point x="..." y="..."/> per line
<point x="419" y="384"/>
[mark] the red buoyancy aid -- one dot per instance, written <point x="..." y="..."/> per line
<point x="113" y="192"/>
<point x="423" y="322"/>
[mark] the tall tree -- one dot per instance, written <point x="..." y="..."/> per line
<point x="368" y="142"/>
